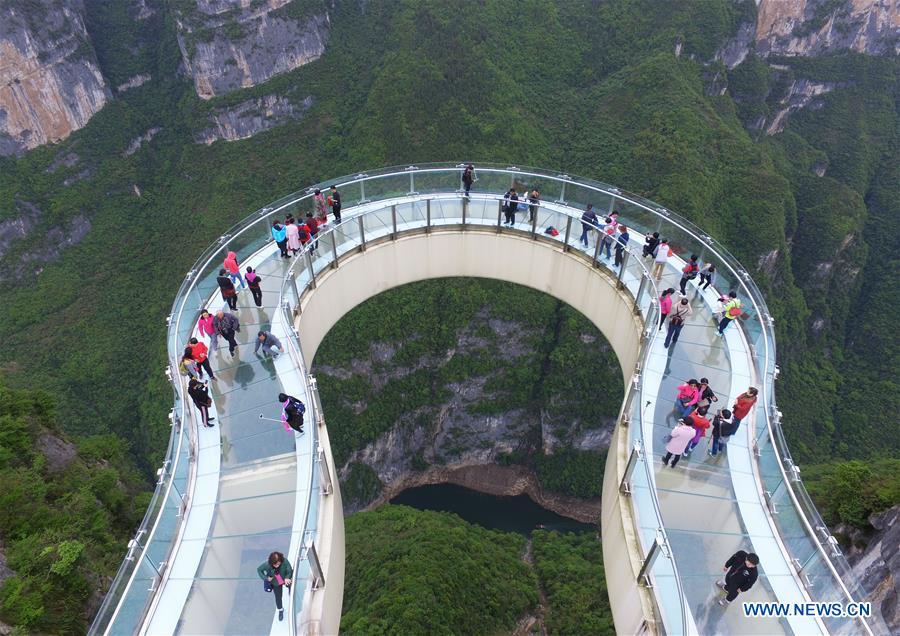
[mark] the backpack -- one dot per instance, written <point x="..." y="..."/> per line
<point x="296" y="406"/>
<point x="552" y="231"/>
<point x="690" y="271"/>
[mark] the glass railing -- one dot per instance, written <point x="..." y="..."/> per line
<point x="391" y="200"/>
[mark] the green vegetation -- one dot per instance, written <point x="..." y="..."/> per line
<point x="570" y="571"/>
<point x="422" y="572"/>
<point x="65" y="514"/>
<point x="849" y="492"/>
<point x="589" y="88"/>
<point x="400" y="358"/>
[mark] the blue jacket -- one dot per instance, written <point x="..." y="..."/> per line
<point x="623" y="239"/>
<point x="279" y="233"/>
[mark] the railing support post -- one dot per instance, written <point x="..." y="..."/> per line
<point x="465" y="208"/>
<point x="334" y="256"/>
<point x="315" y="568"/>
<point x="394" y="222"/>
<point x="599" y="238"/>
<point x="534" y="223"/>
<point x="324" y="473"/>
<point x="568" y="232"/>
<point x="412" y="183"/>
<point x="612" y="204"/>
<point x="622" y="265"/>
<point x="562" y="193"/>
<point x="636" y="454"/>
<point x="499" y="215"/>
<point x="309" y="265"/>
<point x="428" y="216"/>
<point x="362" y="234"/>
<point x="641" y="289"/>
<point x="362" y="193"/>
<point x="643" y="577"/>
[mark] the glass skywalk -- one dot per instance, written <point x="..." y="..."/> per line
<point x="227" y="496"/>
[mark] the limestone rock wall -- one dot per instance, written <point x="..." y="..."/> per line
<point x="232" y="44"/>
<point x="50" y="82"/>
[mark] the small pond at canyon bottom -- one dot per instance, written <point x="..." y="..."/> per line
<point x="510" y="514"/>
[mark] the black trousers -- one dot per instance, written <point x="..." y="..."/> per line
<point x="276" y="592"/>
<point x="206" y="366"/>
<point x="704" y="281"/>
<point x="669" y="456"/>
<point x="620" y="254"/>
<point x="232" y="343"/>
<point x="257" y="295"/>
<point x="231" y="300"/>
<point x="510" y="216"/>
<point x="336" y="211"/>
<point x="732" y="593"/>
<point x="683" y="284"/>
<point x="282" y="246"/>
<point x="296" y="423"/>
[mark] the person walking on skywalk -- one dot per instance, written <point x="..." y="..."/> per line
<point x="226" y="325"/>
<point x="292" y="411"/>
<point x="276" y="573"/>
<point x="253" y="282"/>
<point x="742" y="571"/>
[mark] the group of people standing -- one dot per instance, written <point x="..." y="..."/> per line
<point x="293" y="235"/>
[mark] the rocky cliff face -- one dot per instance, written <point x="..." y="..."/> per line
<point x="50" y="82"/>
<point x="812" y="27"/>
<point x="231" y="44"/>
<point x="251" y="117"/>
<point x="878" y="564"/>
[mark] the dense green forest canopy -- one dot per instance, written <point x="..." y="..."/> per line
<point x="542" y="363"/>
<point x="592" y="88"/>
<point x="422" y="572"/>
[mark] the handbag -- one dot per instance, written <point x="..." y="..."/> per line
<point x="267" y="585"/>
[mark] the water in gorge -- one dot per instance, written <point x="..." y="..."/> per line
<point x="509" y="514"/>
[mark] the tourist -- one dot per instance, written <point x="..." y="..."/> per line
<point x="293" y="235"/>
<point x="268" y="342"/>
<point x="334" y="200"/>
<point x="687" y="397"/>
<point x="742" y="572"/>
<point x="229" y="293"/>
<point x="227" y="325"/>
<point x="732" y="310"/>
<point x="314" y="227"/>
<point x="665" y="306"/>
<point x="660" y="258"/>
<point x="510" y="204"/>
<point x="677" y="441"/>
<point x="676" y="321"/>
<point x="689" y="272"/>
<point x="743" y="404"/>
<point x="292" y="411"/>
<point x="276" y="573"/>
<point x="609" y="229"/>
<point x="280" y="235"/>
<point x="200" y="395"/>
<point x="253" y="281"/>
<point x="234" y="271"/>
<point x="468" y="177"/>
<point x="205" y="327"/>
<point x="319" y="204"/>
<point x="700" y="423"/>
<point x="651" y="242"/>
<point x="621" y="244"/>
<point x="188" y="366"/>
<point x="534" y="200"/>
<point x="723" y="427"/>
<point x="719" y="310"/>
<point x="200" y="354"/>
<point x="588" y="223"/>
<point x="707" y="276"/>
<point x="707" y="395"/>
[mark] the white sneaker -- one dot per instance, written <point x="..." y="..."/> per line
<point x="720" y="584"/>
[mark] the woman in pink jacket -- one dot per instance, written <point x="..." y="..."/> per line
<point x="688" y="396"/>
<point x="293" y="236"/>
<point x="680" y="437"/>
<point x="665" y="306"/>
<point x="205" y="327"/>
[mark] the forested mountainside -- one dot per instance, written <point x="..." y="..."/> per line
<point x="774" y="127"/>
<point x="404" y="576"/>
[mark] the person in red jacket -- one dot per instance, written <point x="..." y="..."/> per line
<point x="700" y="423"/>
<point x="200" y="354"/>
<point x="312" y="225"/>
<point x="743" y="404"/>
